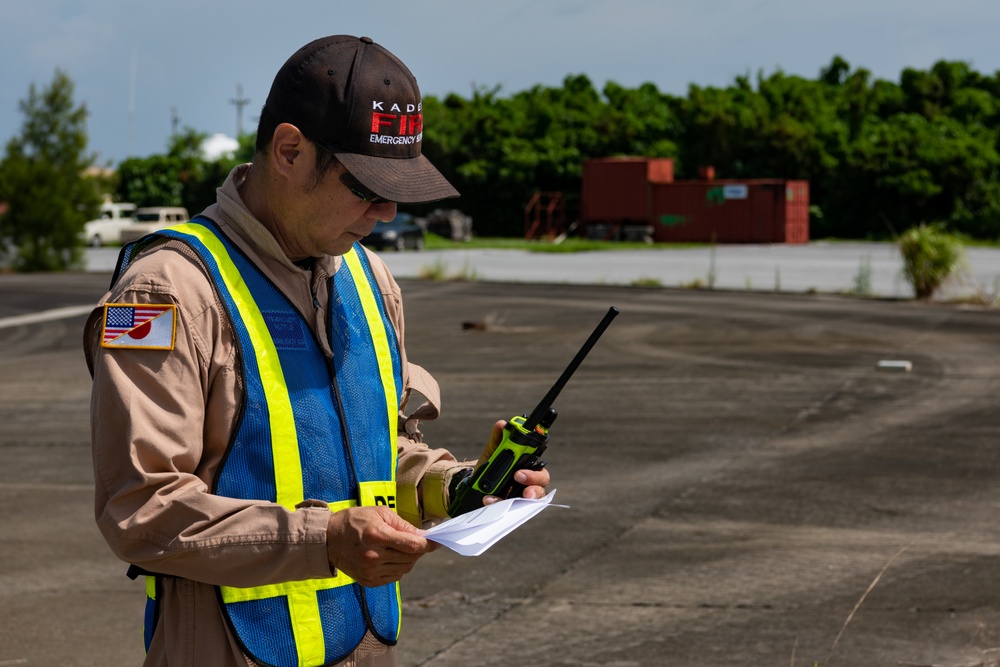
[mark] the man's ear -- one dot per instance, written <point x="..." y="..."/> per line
<point x="287" y="145"/>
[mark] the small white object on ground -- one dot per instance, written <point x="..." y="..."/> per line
<point x="895" y="365"/>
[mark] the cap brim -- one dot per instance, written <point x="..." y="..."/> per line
<point x="405" y="181"/>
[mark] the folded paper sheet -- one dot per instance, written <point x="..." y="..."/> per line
<point x="472" y="533"/>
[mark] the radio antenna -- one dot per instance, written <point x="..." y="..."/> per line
<point x="543" y="407"/>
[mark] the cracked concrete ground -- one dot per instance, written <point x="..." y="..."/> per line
<point x="740" y="477"/>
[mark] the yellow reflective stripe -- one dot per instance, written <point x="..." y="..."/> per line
<point x="378" y="493"/>
<point x="381" y="344"/>
<point x="399" y="606"/>
<point x="151" y="587"/>
<point x="284" y="440"/>
<point x="342" y="505"/>
<point x="307" y="627"/>
<point x="231" y="594"/>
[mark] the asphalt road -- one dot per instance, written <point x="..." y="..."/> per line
<point x="743" y="481"/>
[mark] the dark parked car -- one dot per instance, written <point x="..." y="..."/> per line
<point x="449" y="223"/>
<point x="400" y="233"/>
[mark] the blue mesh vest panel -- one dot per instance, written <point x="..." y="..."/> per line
<point x="353" y="363"/>
<point x="331" y="465"/>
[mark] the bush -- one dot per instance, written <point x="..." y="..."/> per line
<point x="930" y="256"/>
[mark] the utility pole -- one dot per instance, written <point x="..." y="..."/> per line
<point x="133" y="71"/>
<point x="175" y="121"/>
<point x="239" y="102"/>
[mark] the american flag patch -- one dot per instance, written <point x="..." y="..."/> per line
<point x="134" y="326"/>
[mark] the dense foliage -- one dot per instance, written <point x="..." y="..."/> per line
<point x="181" y="177"/>
<point x="880" y="156"/>
<point x="42" y="181"/>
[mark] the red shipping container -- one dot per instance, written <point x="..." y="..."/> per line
<point x="618" y="189"/>
<point x="730" y="211"/>
<point x="797" y="212"/>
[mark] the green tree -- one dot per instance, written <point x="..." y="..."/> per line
<point x="43" y="181"/>
<point x="245" y="152"/>
<point x="640" y="121"/>
<point x="181" y="177"/>
<point x="151" y="181"/>
<point x="908" y="168"/>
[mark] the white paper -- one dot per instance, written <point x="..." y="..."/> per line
<point x="474" y="532"/>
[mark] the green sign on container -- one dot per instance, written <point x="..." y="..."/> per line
<point x="673" y="220"/>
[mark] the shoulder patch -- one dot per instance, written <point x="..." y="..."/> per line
<point x="143" y="326"/>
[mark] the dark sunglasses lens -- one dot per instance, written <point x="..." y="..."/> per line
<point x="359" y="190"/>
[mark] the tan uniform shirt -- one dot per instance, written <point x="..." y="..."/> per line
<point x="161" y="422"/>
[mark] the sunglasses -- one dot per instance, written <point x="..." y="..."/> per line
<point x="360" y="191"/>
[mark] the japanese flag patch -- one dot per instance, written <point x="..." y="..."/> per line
<point x="143" y="326"/>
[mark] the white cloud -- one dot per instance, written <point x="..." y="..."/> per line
<point x="218" y="145"/>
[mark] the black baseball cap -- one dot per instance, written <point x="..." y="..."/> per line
<point x="361" y="103"/>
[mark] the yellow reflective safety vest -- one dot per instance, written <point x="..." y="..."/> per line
<point x="310" y="428"/>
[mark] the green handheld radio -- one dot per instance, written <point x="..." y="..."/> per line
<point x="524" y="440"/>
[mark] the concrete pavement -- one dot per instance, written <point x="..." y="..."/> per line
<point x="825" y="267"/>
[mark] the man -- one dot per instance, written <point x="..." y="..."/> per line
<point x="254" y="456"/>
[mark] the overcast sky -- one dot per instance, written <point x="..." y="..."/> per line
<point x="188" y="56"/>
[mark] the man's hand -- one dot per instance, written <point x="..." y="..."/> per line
<point x="373" y="545"/>
<point x="535" y="481"/>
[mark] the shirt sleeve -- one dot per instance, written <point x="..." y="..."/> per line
<point x="160" y="425"/>
<point x="423" y="474"/>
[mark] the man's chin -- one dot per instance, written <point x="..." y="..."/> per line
<point x="343" y="245"/>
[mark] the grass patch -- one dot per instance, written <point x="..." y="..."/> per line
<point x="863" y="278"/>
<point x="438" y="272"/>
<point x="697" y="283"/>
<point x="645" y="281"/>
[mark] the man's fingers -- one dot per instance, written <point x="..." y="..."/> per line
<point x="533" y="478"/>
<point x="373" y="545"/>
<point x="496" y="436"/>
<point x="402" y="536"/>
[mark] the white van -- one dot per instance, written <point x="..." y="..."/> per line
<point x="107" y="228"/>
<point x="151" y="218"/>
